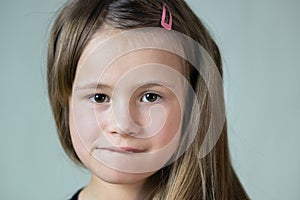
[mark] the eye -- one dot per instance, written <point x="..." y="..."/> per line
<point x="100" y="98"/>
<point x="151" y="98"/>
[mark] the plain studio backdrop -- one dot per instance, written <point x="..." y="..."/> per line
<point x="260" y="45"/>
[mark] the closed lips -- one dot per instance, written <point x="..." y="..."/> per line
<point x="123" y="149"/>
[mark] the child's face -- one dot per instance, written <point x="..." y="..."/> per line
<point x="125" y="117"/>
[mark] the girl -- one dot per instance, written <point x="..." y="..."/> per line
<point x="137" y="99"/>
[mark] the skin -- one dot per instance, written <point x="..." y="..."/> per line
<point x="125" y="118"/>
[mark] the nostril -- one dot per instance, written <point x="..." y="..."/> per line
<point x="128" y="128"/>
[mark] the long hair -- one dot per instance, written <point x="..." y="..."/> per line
<point x="188" y="178"/>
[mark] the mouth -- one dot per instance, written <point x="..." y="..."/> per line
<point x="126" y="150"/>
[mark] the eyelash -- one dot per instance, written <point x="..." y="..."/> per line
<point x="105" y="98"/>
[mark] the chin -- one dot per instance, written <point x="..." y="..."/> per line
<point x="107" y="174"/>
<point x="116" y="177"/>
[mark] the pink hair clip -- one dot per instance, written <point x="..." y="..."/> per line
<point x="163" y="23"/>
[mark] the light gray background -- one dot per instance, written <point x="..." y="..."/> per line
<point x="260" y="47"/>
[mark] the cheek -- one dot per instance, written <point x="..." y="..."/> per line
<point x="171" y="130"/>
<point x="83" y="125"/>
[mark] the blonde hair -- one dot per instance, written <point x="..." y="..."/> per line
<point x="189" y="177"/>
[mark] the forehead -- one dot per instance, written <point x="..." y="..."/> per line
<point x="143" y="57"/>
<point x="115" y="42"/>
<point x="108" y="54"/>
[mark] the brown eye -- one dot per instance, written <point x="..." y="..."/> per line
<point x="100" y="98"/>
<point x="150" y="98"/>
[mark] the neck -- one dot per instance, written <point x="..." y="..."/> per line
<point x="98" y="189"/>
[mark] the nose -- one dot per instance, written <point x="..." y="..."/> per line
<point x="119" y="119"/>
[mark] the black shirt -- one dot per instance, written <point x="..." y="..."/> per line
<point x="75" y="196"/>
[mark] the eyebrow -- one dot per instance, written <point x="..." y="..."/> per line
<point x="92" y="86"/>
<point x="104" y="86"/>
<point x="149" y="85"/>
